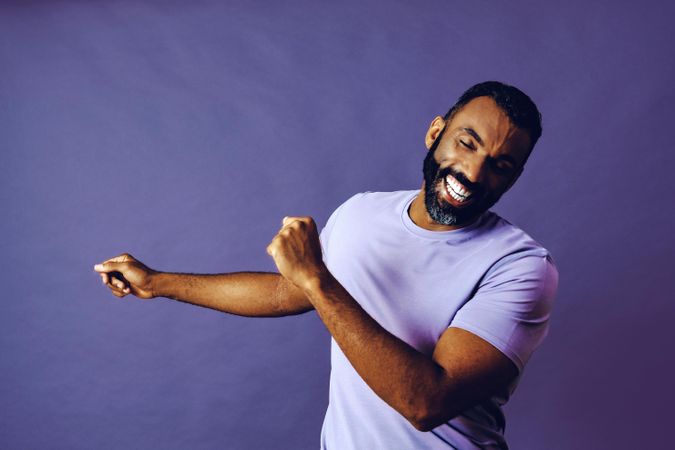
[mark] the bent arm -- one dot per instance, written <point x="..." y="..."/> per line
<point x="252" y="294"/>
<point x="427" y="391"/>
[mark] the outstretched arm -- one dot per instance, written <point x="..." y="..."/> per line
<point x="254" y="294"/>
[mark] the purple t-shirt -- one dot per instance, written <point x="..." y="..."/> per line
<point x="489" y="278"/>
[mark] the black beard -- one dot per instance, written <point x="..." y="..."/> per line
<point x="440" y="210"/>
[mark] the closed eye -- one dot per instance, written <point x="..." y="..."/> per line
<point x="465" y="144"/>
<point x="503" y="167"/>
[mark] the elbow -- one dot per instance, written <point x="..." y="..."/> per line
<point x="435" y="408"/>
<point x="427" y="423"/>
<point x="423" y="424"/>
<point x="430" y="418"/>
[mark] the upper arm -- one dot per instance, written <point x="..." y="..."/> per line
<point x="512" y="306"/>
<point x="475" y="371"/>
<point x="492" y="336"/>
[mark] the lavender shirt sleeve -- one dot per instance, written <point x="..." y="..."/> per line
<point x="512" y="306"/>
<point x="324" y="234"/>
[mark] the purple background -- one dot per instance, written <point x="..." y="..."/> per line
<point x="184" y="133"/>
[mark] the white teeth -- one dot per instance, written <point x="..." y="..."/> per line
<point x="454" y="187"/>
<point x="455" y="195"/>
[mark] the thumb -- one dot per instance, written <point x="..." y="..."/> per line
<point x="113" y="263"/>
<point x="107" y="267"/>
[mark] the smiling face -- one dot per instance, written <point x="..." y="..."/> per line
<point x="473" y="159"/>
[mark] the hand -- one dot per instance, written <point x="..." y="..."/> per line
<point x="124" y="275"/>
<point x="296" y="251"/>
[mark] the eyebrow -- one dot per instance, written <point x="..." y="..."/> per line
<point x="475" y="135"/>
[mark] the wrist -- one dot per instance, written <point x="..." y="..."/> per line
<point x="158" y="284"/>
<point x="318" y="283"/>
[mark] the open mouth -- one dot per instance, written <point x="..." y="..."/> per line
<point x="455" y="192"/>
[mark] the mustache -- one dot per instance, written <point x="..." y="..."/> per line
<point x="477" y="189"/>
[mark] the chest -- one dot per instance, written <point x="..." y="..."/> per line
<point x="410" y="286"/>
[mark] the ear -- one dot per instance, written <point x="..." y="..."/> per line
<point x="435" y="128"/>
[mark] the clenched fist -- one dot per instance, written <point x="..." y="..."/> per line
<point x="296" y="251"/>
<point x="124" y="275"/>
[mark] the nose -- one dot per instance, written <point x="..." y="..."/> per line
<point x="474" y="167"/>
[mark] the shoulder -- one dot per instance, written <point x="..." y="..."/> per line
<point x="368" y="207"/>
<point x="522" y="259"/>
<point x="515" y="243"/>
<point x="377" y="200"/>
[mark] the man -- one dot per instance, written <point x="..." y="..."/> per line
<point x="434" y="303"/>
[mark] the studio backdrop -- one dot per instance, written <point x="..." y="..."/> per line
<point x="183" y="132"/>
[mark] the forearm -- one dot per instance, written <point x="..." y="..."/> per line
<point x="253" y="294"/>
<point x="406" y="379"/>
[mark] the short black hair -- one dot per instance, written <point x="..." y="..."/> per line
<point x="520" y="108"/>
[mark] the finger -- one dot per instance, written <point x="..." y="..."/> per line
<point x="119" y="292"/>
<point x="121" y="286"/>
<point x="273" y="248"/>
<point x="289" y="220"/>
<point x="124" y="257"/>
<point x="297" y="221"/>
<point x="118" y="283"/>
<point x="305" y="219"/>
<point x="114" y="289"/>
<point x="104" y="277"/>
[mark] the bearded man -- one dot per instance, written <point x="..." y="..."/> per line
<point x="434" y="302"/>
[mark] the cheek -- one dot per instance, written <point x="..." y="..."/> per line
<point x="497" y="186"/>
<point x="446" y="158"/>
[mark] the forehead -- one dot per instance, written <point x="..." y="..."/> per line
<point x="493" y="126"/>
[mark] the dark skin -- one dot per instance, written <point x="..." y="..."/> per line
<point x="483" y="144"/>
<point x="463" y="370"/>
